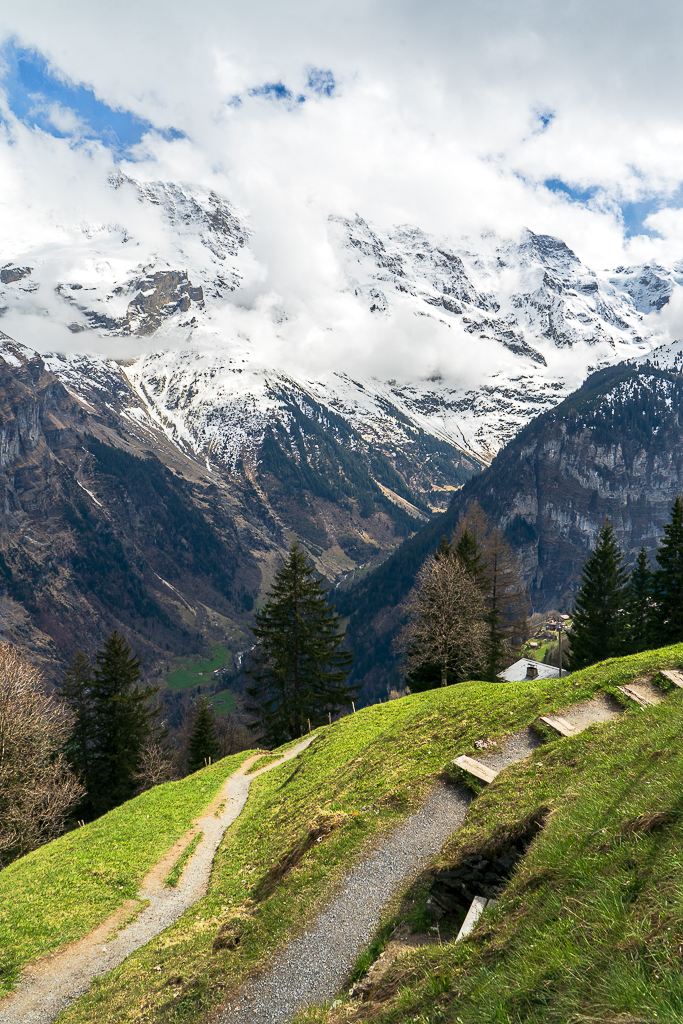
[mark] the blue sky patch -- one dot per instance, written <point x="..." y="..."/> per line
<point x="42" y="100"/>
<point x="321" y="81"/>
<point x="544" y="119"/>
<point x="633" y="214"/>
<point x="275" y="90"/>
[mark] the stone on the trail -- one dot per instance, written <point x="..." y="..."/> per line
<point x="560" y="725"/>
<point x="476" y="768"/>
<point x="473" y="915"/>
<point x="674" y="676"/>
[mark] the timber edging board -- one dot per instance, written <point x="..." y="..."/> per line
<point x="476" y="768"/>
<point x="473" y="914"/>
<point x="637" y="697"/>
<point x="674" y="676"/>
<point x="560" y="725"/>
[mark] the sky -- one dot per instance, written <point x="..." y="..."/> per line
<point x="459" y="117"/>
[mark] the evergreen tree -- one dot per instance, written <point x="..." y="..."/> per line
<point x="598" y="624"/>
<point x="203" y="743"/>
<point x="298" y="668"/>
<point x="639" y="607"/>
<point x="76" y="692"/>
<point x="120" y="723"/>
<point x="668" y="627"/>
<point x="489" y="560"/>
<point x="468" y="553"/>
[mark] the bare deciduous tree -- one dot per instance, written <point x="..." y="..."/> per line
<point x="156" y="766"/>
<point x="446" y="624"/>
<point x="37" y="787"/>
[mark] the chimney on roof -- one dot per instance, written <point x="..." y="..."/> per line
<point x="531" y="672"/>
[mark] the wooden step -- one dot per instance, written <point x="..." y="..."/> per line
<point x="473" y="915"/>
<point x="639" y="698"/>
<point x="673" y="676"/>
<point x="476" y="768"/>
<point x="560" y="725"/>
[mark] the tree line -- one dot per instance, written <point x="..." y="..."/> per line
<point x="72" y="755"/>
<point x="617" y="612"/>
<point x="468" y="607"/>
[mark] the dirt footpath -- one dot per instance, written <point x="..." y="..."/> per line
<point x="55" y="981"/>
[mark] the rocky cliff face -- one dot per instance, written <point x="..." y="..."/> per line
<point x="613" y="448"/>
<point x="113" y="519"/>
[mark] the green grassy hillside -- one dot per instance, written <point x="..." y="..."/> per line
<point x="61" y="891"/>
<point x="589" y="925"/>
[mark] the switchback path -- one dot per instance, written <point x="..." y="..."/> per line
<point x="55" y="981"/>
<point x="314" y="967"/>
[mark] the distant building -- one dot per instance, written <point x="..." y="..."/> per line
<point x="526" y="668"/>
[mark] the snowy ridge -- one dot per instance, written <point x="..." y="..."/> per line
<point x="464" y="340"/>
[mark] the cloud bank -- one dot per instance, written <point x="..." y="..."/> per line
<point x="457" y="117"/>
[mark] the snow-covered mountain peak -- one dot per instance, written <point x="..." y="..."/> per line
<point x="465" y="339"/>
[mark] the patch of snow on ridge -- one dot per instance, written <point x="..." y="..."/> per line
<point x="466" y="339"/>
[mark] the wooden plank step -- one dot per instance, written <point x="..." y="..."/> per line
<point x="673" y="676"/>
<point x="473" y="914"/>
<point x="560" y="725"/>
<point x="639" y="698"/>
<point x="476" y="768"/>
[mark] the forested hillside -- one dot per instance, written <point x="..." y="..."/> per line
<point x="612" y="448"/>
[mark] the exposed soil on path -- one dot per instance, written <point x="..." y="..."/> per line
<point x="600" y="708"/>
<point x="55" y="981"/>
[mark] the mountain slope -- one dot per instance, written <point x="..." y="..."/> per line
<point x="345" y="410"/>
<point x="113" y="522"/>
<point x="614" y="447"/>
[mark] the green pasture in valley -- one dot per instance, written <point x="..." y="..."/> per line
<point x="198" y="671"/>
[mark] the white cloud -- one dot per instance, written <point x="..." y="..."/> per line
<point x="433" y="121"/>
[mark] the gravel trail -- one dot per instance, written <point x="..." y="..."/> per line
<point x="55" y="981"/>
<point x="315" y="966"/>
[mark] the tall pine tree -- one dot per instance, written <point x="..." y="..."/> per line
<point x="639" y="606"/>
<point x="599" y="624"/>
<point x="298" y="667"/>
<point x="76" y="691"/>
<point x="120" y="723"/>
<point x="669" y="580"/>
<point x="203" y="744"/>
